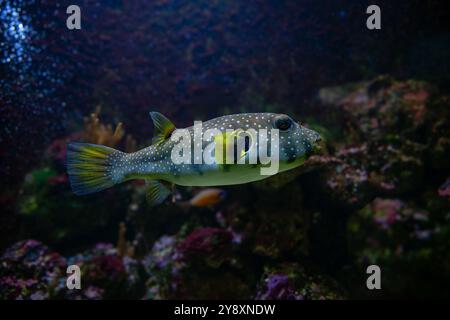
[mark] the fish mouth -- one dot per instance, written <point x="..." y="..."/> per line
<point x="317" y="148"/>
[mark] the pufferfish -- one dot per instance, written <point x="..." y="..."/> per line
<point x="93" y="168"/>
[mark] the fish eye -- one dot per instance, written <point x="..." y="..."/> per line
<point x="282" y="123"/>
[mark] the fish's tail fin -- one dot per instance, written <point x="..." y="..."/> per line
<point x="92" y="167"/>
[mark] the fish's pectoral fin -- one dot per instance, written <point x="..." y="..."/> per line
<point x="163" y="127"/>
<point x="157" y="192"/>
<point x="224" y="142"/>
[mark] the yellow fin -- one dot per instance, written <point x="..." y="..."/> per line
<point x="163" y="127"/>
<point x="157" y="192"/>
<point x="88" y="167"/>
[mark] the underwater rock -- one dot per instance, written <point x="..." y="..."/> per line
<point x="385" y="106"/>
<point x="269" y="226"/>
<point x="392" y="131"/>
<point x="403" y="238"/>
<point x="339" y="184"/>
<point x="389" y="112"/>
<point x="396" y="134"/>
<point x="390" y="141"/>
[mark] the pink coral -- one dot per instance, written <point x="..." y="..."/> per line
<point x="209" y="245"/>
<point x="387" y="211"/>
<point x="205" y="240"/>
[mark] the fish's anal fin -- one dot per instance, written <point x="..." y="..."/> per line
<point x="157" y="192"/>
<point x="163" y="127"/>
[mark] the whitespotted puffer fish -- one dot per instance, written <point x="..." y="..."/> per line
<point x="93" y="168"/>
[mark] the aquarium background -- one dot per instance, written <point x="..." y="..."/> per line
<point x="379" y="193"/>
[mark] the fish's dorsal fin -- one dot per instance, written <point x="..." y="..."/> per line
<point x="163" y="127"/>
<point x="157" y="192"/>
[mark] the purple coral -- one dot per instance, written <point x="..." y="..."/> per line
<point x="163" y="252"/>
<point x="205" y="240"/>
<point x="27" y="270"/>
<point x="278" y="287"/>
<point x="206" y="247"/>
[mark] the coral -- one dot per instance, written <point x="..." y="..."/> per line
<point x="400" y="236"/>
<point x="384" y="106"/>
<point x="293" y="282"/>
<point x="207" y="245"/>
<point x="201" y="265"/>
<point x="56" y="152"/>
<point x="105" y="275"/>
<point x="96" y="132"/>
<point x="383" y="173"/>
<point x="278" y="287"/>
<point x="163" y="265"/>
<point x="387" y="211"/>
<point x="393" y="131"/>
<point x="29" y="270"/>
<point x="124" y="248"/>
